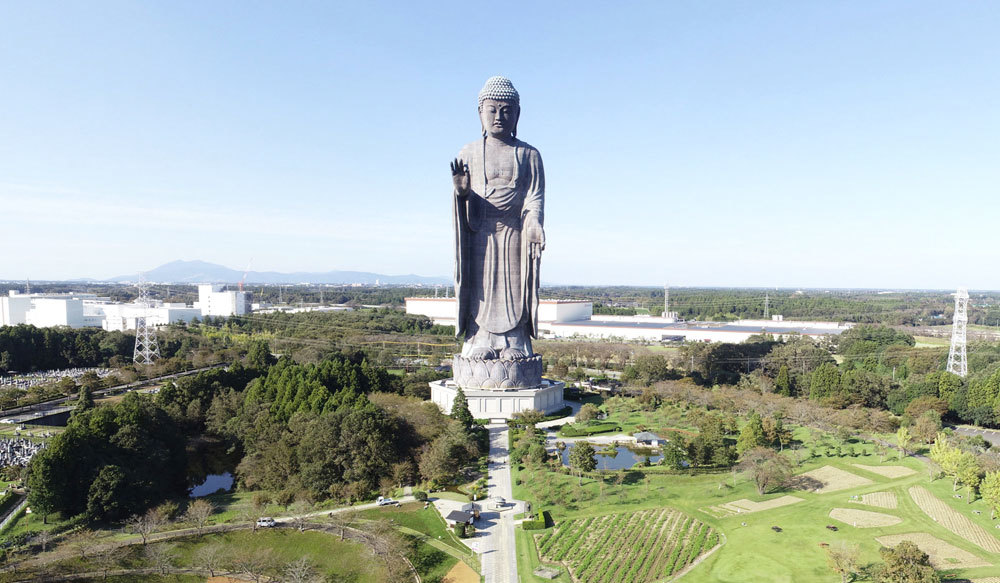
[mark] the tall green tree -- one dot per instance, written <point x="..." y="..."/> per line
<point x="783" y="382"/>
<point x="752" y="434"/>
<point x="990" y="491"/>
<point x="581" y="458"/>
<point x="460" y="409"/>
<point x="905" y="563"/>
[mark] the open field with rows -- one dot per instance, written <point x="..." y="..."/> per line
<point x="751" y="548"/>
<point x="638" y="547"/>
<point x="887" y="471"/>
<point x="879" y="499"/>
<point x="953" y="520"/>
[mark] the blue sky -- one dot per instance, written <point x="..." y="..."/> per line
<point x="798" y="144"/>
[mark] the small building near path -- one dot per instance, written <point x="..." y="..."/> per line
<point x="457" y="516"/>
<point x="648" y="438"/>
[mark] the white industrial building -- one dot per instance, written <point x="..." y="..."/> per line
<point x="574" y="318"/>
<point x="85" y="310"/>
<point x="443" y="310"/>
<point x="214" y="300"/>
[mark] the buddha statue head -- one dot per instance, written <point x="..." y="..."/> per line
<point x="499" y="108"/>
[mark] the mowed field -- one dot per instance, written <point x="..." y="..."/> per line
<point x="751" y="549"/>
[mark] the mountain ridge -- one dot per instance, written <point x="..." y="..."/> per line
<point x="197" y="271"/>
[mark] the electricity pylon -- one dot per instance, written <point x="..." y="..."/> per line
<point x="957" y="363"/>
<point x="146" y="348"/>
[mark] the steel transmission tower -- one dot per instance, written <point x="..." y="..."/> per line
<point x="957" y="363"/>
<point x="146" y="348"/>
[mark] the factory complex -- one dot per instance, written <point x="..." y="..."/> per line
<point x="575" y="319"/>
<point x="84" y="310"/>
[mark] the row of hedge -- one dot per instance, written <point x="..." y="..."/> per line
<point x="540" y="521"/>
<point x="588" y="430"/>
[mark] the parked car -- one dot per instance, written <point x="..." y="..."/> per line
<point x="266" y="522"/>
<point x="383" y="501"/>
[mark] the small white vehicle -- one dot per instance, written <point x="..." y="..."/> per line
<point x="266" y="522"/>
<point x="383" y="501"/>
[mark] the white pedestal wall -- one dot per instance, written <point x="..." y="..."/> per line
<point x="498" y="403"/>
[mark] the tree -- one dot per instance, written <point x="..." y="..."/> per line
<point x="968" y="473"/>
<point x="85" y="400"/>
<point x="752" y="434"/>
<point x="108" y="559"/>
<point x="903" y="440"/>
<point x="766" y="468"/>
<point x="300" y="571"/>
<point x="460" y="409"/>
<point x="254" y="563"/>
<point x="843" y="559"/>
<point x="145" y="524"/>
<point x="108" y="493"/>
<point x="198" y="512"/>
<point x="905" y="563"/>
<point x="84" y="542"/>
<point x="581" y="458"/>
<point x="783" y="382"/>
<point x="342" y="520"/>
<point x="989" y="489"/>
<point x="587" y="412"/>
<point x="160" y="556"/>
<point x="210" y="557"/>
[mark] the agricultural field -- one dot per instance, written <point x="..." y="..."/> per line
<point x="755" y="532"/>
<point x="640" y="547"/>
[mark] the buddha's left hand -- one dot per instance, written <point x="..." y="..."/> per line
<point x="535" y="238"/>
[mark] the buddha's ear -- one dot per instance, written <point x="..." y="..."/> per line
<point x="517" y="117"/>
<point x="481" y="124"/>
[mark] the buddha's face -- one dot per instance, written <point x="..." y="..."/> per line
<point x="499" y="118"/>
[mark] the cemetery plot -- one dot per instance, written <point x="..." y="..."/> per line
<point x="864" y="518"/>
<point x="640" y="547"/>
<point x="942" y="554"/>
<point x="828" y="479"/>
<point x="891" y="472"/>
<point x="744" y="506"/>
<point x="953" y="521"/>
<point x="880" y="499"/>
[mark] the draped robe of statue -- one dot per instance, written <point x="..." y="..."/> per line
<point x="496" y="278"/>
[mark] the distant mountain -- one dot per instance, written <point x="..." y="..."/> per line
<point x="203" y="272"/>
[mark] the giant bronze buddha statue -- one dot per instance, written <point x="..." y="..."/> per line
<point x="499" y="193"/>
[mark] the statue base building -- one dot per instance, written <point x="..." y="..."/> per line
<point x="498" y="405"/>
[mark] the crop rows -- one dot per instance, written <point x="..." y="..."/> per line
<point x="640" y="547"/>
<point x="953" y="521"/>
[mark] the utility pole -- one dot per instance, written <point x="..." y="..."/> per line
<point x="27" y="286"/>
<point x="146" y="347"/>
<point x="957" y="362"/>
<point x="666" y="301"/>
<point x="767" y="301"/>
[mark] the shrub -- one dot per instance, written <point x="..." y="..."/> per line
<point x="420" y="495"/>
<point x="460" y="530"/>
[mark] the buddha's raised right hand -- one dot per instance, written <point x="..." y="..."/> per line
<point x="460" y="176"/>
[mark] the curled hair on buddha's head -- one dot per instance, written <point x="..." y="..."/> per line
<point x="500" y="88"/>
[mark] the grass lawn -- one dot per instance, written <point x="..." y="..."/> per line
<point x="667" y="417"/>
<point x="328" y="554"/>
<point x="931" y="341"/>
<point x="414" y="516"/>
<point x="753" y="551"/>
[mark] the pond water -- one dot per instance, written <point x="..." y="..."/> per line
<point x="212" y="484"/>
<point x="623" y="458"/>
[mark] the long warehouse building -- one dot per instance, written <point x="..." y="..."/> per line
<point x="575" y="318"/>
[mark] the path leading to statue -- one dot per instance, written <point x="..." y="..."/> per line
<point x="496" y="545"/>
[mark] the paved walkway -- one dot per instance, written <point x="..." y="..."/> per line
<point x="495" y="538"/>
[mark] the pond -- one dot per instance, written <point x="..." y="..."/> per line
<point x="624" y="457"/>
<point x="212" y="484"/>
<point x="210" y="466"/>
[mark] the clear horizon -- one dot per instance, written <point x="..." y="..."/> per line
<point x="790" y="145"/>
